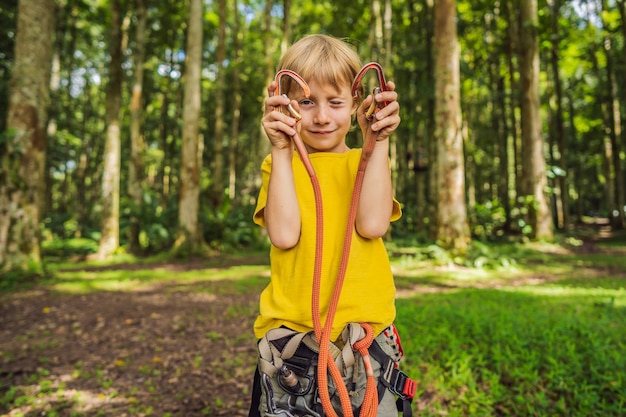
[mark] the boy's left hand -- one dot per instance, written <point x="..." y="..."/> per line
<point x="386" y="119"/>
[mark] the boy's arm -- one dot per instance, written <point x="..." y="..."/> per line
<point x="282" y="212"/>
<point x="376" y="200"/>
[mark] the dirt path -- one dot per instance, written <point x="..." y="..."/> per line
<point x="158" y="353"/>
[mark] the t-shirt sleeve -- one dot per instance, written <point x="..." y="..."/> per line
<point x="396" y="211"/>
<point x="259" y="211"/>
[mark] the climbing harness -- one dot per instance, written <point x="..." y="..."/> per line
<point x="286" y="355"/>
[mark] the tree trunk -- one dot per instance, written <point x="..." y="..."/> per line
<point x="376" y="32"/>
<point x="262" y="146"/>
<point x="452" y="227"/>
<point x="218" y="139"/>
<point x="534" y="164"/>
<point x="430" y="183"/>
<point x="511" y="43"/>
<point x="559" y="121"/>
<point x="237" y="99"/>
<point x="135" y="166"/>
<point x="286" y="38"/>
<point x="109" y="241"/>
<point x="24" y="150"/>
<point x="613" y="121"/>
<point x="189" y="240"/>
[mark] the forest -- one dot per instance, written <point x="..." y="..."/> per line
<point x="130" y="154"/>
<point x="138" y="159"/>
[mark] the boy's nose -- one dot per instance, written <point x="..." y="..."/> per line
<point x="322" y="115"/>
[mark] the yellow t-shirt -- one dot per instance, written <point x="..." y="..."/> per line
<point x="368" y="293"/>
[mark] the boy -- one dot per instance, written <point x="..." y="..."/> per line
<point x="287" y="204"/>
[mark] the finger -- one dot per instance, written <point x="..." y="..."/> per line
<point x="387" y="125"/>
<point x="386" y="96"/>
<point x="273" y="102"/>
<point x="276" y="127"/>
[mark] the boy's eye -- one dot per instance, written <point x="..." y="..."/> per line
<point x="306" y="102"/>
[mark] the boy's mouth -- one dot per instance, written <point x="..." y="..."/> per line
<point x="322" y="132"/>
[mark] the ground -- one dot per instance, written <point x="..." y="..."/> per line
<point x="168" y="350"/>
<point x="163" y="352"/>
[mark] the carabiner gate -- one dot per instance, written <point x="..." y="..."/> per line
<point x="382" y="85"/>
<point x="298" y="79"/>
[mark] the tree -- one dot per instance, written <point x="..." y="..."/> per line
<point x="110" y="225"/>
<point x="23" y="145"/>
<point x="534" y="178"/>
<point x="562" y="202"/>
<point x="615" y="179"/>
<point x="218" y="137"/>
<point x="452" y="227"/>
<point x="190" y="238"/>
<point x="135" y="166"/>
<point x="236" y="92"/>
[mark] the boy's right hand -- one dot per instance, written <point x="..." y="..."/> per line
<point x="278" y="126"/>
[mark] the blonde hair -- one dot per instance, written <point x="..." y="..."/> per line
<point x="322" y="58"/>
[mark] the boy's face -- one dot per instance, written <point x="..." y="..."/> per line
<point x="326" y="117"/>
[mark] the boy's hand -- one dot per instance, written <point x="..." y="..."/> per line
<point x="386" y="119"/>
<point x="278" y="126"/>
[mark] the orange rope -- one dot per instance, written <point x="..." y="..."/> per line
<point x="369" y="407"/>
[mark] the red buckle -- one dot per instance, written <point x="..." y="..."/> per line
<point x="410" y="387"/>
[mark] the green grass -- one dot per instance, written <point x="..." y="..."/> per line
<point x="547" y="350"/>
<point x="513" y="330"/>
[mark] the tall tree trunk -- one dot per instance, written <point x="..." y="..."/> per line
<point x="385" y="60"/>
<point x="421" y="27"/>
<point x="135" y="167"/>
<point x="109" y="241"/>
<point x="432" y="148"/>
<point x="559" y="120"/>
<point x="511" y="45"/>
<point x="534" y="163"/>
<point x="498" y="115"/>
<point x="376" y="43"/>
<point x="190" y="240"/>
<point x="616" y="210"/>
<point x="452" y="227"/>
<point x="55" y="83"/>
<point x="286" y="38"/>
<point x="237" y="99"/>
<point x="218" y="139"/>
<point x="24" y="151"/>
<point x="262" y="145"/>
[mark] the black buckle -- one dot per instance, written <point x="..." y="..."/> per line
<point x="401" y="385"/>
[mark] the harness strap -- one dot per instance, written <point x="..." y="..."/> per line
<point x="395" y="380"/>
<point x="281" y="345"/>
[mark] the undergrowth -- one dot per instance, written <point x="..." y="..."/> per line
<point x="513" y="353"/>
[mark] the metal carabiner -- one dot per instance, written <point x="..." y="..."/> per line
<point x="305" y="87"/>
<point x="382" y="85"/>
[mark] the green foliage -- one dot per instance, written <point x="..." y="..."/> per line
<point x="14" y="279"/>
<point x="480" y="255"/>
<point x="63" y="225"/>
<point x="157" y="220"/>
<point x="65" y="248"/>
<point x="231" y="228"/>
<point x="487" y="352"/>
<point x="520" y="214"/>
<point x="489" y="220"/>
